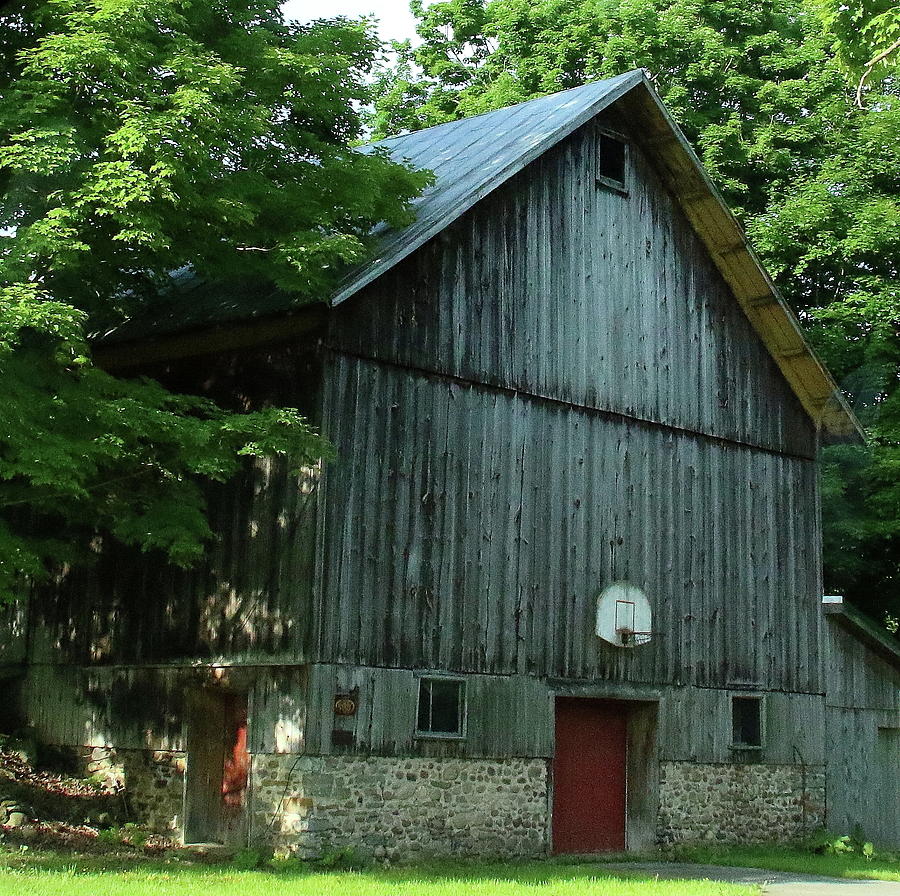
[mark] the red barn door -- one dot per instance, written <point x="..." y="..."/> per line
<point x="589" y="776"/>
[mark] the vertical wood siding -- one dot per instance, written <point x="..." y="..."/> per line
<point x="513" y="716"/>
<point x="472" y="529"/>
<point x="250" y="596"/>
<point x="863" y="718"/>
<point x="506" y="716"/>
<point x="857" y="678"/>
<point x="559" y="288"/>
<point x="695" y="725"/>
<point x="123" y="708"/>
<point x="863" y="779"/>
<point x="143" y="708"/>
<point x="13" y="633"/>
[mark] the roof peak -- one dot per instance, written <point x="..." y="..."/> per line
<point x="580" y="89"/>
<point x="471" y="157"/>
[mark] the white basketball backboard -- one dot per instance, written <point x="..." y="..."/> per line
<point x="624" y="617"/>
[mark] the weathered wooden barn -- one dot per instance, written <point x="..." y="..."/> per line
<point x="560" y="590"/>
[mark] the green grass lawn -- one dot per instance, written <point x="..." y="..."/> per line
<point x="46" y="874"/>
<point x="848" y="865"/>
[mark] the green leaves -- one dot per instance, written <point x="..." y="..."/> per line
<point x="137" y="138"/>
<point x="143" y="132"/>
<point x="866" y="37"/>
<point x="25" y="308"/>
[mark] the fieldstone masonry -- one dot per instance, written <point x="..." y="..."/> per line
<point x="409" y="808"/>
<point x="154" y="782"/>
<point x="100" y="765"/>
<point x="731" y="803"/>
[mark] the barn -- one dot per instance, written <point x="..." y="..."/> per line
<point x="561" y="588"/>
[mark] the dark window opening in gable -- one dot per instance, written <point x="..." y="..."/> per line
<point x="746" y="721"/>
<point x="442" y="703"/>
<point x="612" y="162"/>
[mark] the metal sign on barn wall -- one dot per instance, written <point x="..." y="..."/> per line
<point x="624" y="617"/>
<point x="345" y="704"/>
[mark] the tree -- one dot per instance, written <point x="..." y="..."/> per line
<point x="833" y="243"/>
<point x="752" y="85"/>
<point x="771" y="96"/>
<point x="866" y="37"/>
<point x="137" y="138"/>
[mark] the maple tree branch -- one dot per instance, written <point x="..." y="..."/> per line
<point x="870" y="65"/>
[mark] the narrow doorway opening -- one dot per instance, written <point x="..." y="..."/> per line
<point x="218" y="765"/>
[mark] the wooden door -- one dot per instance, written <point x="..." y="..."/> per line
<point x="217" y="767"/>
<point x="589" y="776"/>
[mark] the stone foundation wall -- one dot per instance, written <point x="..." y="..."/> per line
<point x="401" y="808"/>
<point x="409" y="808"/>
<point x="100" y="765"/>
<point x="152" y="781"/>
<point x="731" y="803"/>
<point x="154" y="788"/>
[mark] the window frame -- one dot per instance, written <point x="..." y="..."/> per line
<point x="761" y="703"/>
<point x="616" y="186"/>
<point x="462" y="710"/>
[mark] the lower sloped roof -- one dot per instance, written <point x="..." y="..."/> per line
<point x="865" y="630"/>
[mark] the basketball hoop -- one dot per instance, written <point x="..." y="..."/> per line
<point x="624" y="617"/>
<point x="630" y="638"/>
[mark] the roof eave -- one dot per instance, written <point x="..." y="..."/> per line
<point x="760" y="299"/>
<point x="224" y="336"/>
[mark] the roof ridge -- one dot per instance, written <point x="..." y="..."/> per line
<point x="535" y="99"/>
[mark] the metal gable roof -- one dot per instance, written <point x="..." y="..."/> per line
<point x="473" y="156"/>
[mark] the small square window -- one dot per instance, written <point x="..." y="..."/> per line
<point x="442" y="707"/>
<point x="746" y="722"/>
<point x="612" y="161"/>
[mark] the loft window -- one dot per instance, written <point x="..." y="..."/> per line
<point x="612" y="162"/>
<point x="442" y="707"/>
<point x="746" y="723"/>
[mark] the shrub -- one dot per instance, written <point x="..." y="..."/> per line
<point x="343" y="859"/>
<point x="247" y="859"/>
<point x="286" y="864"/>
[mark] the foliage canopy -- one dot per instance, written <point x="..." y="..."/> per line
<point x="138" y="138"/>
